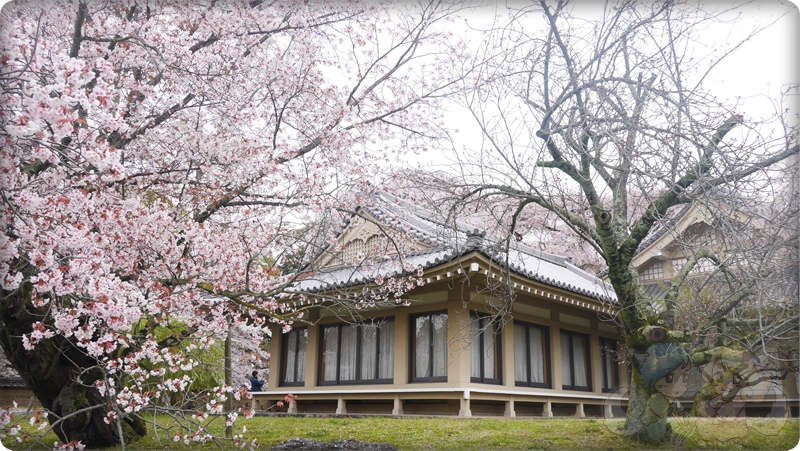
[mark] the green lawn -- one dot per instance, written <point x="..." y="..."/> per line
<point x="487" y="434"/>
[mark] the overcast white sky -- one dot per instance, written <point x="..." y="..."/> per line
<point x="766" y="64"/>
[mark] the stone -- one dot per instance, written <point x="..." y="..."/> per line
<point x="297" y="444"/>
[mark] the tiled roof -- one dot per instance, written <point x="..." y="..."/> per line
<point x="349" y="276"/>
<point x="663" y="227"/>
<point x="449" y="241"/>
<point x="657" y="291"/>
<point x="11" y="382"/>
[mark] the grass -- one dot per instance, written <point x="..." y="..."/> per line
<point x="424" y="433"/>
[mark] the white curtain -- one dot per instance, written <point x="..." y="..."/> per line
<point x="330" y="339"/>
<point x="348" y="357"/>
<point x="439" y="340"/>
<point x="537" y="355"/>
<point x="489" y="369"/>
<point x="529" y="351"/>
<point x="579" y="356"/>
<point x="300" y="363"/>
<point x="291" y="354"/>
<point x="369" y="351"/>
<point x="520" y="362"/>
<point x="343" y="349"/>
<point x="566" y="377"/>
<point x="608" y="368"/>
<point x="422" y="357"/>
<point x="386" y="356"/>
<point x="475" y="348"/>
<point x="430" y="350"/>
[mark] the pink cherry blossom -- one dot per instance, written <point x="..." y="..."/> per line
<point x="162" y="163"/>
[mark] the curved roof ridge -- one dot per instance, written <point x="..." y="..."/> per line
<point x="433" y="229"/>
<point x="465" y="229"/>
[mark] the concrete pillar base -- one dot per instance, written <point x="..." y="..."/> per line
<point x="398" y="406"/>
<point x="547" y="410"/>
<point x="465" y="410"/>
<point x="510" y="413"/>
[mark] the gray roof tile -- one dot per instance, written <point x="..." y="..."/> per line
<point x="450" y="241"/>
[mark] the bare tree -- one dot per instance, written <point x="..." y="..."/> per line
<point x="604" y="116"/>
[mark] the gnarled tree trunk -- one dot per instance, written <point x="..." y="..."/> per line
<point x="51" y="370"/>
<point x="642" y="422"/>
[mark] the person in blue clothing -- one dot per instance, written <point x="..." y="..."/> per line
<point x="255" y="382"/>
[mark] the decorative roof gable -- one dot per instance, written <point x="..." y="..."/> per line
<point x="688" y="225"/>
<point x="366" y="237"/>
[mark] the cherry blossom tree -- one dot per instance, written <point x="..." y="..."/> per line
<point x="606" y="117"/>
<point x="157" y="156"/>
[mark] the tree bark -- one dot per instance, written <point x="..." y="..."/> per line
<point x="51" y="371"/>
<point x="641" y="422"/>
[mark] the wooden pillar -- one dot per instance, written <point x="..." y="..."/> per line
<point x="275" y="343"/>
<point x="596" y="362"/>
<point x="507" y="345"/>
<point x="458" y="338"/>
<point x="555" y="354"/>
<point x="401" y="352"/>
<point x="312" y="352"/>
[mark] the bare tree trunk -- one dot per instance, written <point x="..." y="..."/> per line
<point x="641" y="422"/>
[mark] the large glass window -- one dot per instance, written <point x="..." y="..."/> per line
<point x="357" y="353"/>
<point x="429" y="347"/>
<point x="575" y="361"/>
<point x="484" y="350"/>
<point x="294" y="357"/>
<point x="531" y="355"/>
<point x="608" y="355"/>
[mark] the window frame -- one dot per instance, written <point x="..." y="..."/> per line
<point x="654" y="271"/>
<point x="412" y="348"/>
<point x="285" y="357"/>
<point x="609" y="345"/>
<point x="498" y="350"/>
<point x="359" y="380"/>
<point x="547" y="359"/>
<point x="702" y="266"/>
<point x="587" y="361"/>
